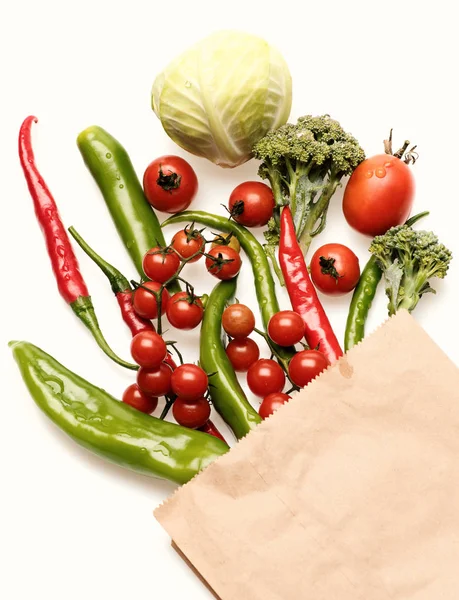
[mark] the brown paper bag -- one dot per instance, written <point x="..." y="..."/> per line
<point x="349" y="492"/>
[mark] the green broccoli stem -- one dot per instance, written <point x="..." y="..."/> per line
<point x="318" y="213"/>
<point x="276" y="186"/>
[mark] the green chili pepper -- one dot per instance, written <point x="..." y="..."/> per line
<point x="227" y="395"/>
<point x="361" y="302"/>
<point x="110" y="428"/>
<point x="113" y="172"/>
<point x="362" y="298"/>
<point x="264" y="282"/>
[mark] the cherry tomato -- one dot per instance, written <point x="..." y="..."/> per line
<point x="134" y="396"/>
<point x="192" y="414"/>
<point x="335" y="269"/>
<point x="189" y="382"/>
<point x="265" y="377"/>
<point x="238" y="321"/>
<point x="226" y="240"/>
<point x="144" y="302"/>
<point x="184" y="311"/>
<point x="251" y="204"/>
<point x="306" y="365"/>
<point x="379" y="195"/>
<point x="218" y="265"/>
<point x="271" y="403"/>
<point x="242" y="354"/>
<point x="155" y="382"/>
<point x="148" y="349"/>
<point x="170" y="184"/>
<point x="188" y="242"/>
<point x="160" y="264"/>
<point x="286" y="328"/>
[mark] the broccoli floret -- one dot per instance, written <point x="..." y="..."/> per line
<point x="409" y="259"/>
<point x="304" y="164"/>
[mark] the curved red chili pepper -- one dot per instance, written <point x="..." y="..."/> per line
<point x="63" y="260"/>
<point x="303" y="295"/>
<point x="135" y="323"/>
<point x="69" y="280"/>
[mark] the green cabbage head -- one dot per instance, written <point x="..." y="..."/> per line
<point x="221" y="96"/>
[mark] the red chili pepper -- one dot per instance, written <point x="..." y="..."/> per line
<point x="120" y="287"/>
<point x="303" y="296"/>
<point x="63" y="260"/>
<point x="210" y="428"/>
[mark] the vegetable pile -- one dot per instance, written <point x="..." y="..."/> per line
<point x="228" y="100"/>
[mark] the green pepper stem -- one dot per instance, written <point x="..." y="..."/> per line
<point x="84" y="310"/>
<point x="271" y="254"/>
<point x="412" y="220"/>
<point x="117" y="280"/>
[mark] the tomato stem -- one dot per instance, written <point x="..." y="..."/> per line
<point x="168" y="182"/>
<point x="169" y="402"/>
<point x="282" y="361"/>
<point x="409" y="158"/>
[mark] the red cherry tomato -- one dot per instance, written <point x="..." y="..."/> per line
<point x="134" y="396"/>
<point x="286" y="328"/>
<point x="306" y="365"/>
<point x="238" y="321"/>
<point x="144" y="302"/>
<point x="155" y="382"/>
<point x="188" y="242"/>
<point x="184" y="311"/>
<point x="192" y="414"/>
<point x="379" y="195"/>
<point x="189" y="382"/>
<point x="265" y="377"/>
<point x="271" y="403"/>
<point x="335" y="269"/>
<point x="170" y="184"/>
<point x="251" y="204"/>
<point x="160" y="264"/>
<point x="242" y="354"/>
<point x="148" y="349"/>
<point x="218" y="265"/>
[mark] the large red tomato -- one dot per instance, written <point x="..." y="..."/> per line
<point x="170" y="184"/>
<point x="379" y="195"/>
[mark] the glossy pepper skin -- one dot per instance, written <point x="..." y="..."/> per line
<point x="227" y="395"/>
<point x="112" y="169"/>
<point x="65" y="266"/>
<point x="120" y="287"/>
<point x="302" y="293"/>
<point x="263" y="279"/>
<point x="363" y="296"/>
<point x="211" y="429"/>
<point x="110" y="428"/>
<point x="361" y="302"/>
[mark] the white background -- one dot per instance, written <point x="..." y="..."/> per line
<point x="72" y="526"/>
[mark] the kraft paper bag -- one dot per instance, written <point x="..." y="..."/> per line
<point x="348" y="492"/>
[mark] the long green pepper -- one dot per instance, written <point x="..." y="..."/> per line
<point x="227" y="395"/>
<point x="110" y="428"/>
<point x="363" y="296"/>
<point x="264" y="282"/>
<point x="112" y="169"/>
<point x="361" y="302"/>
